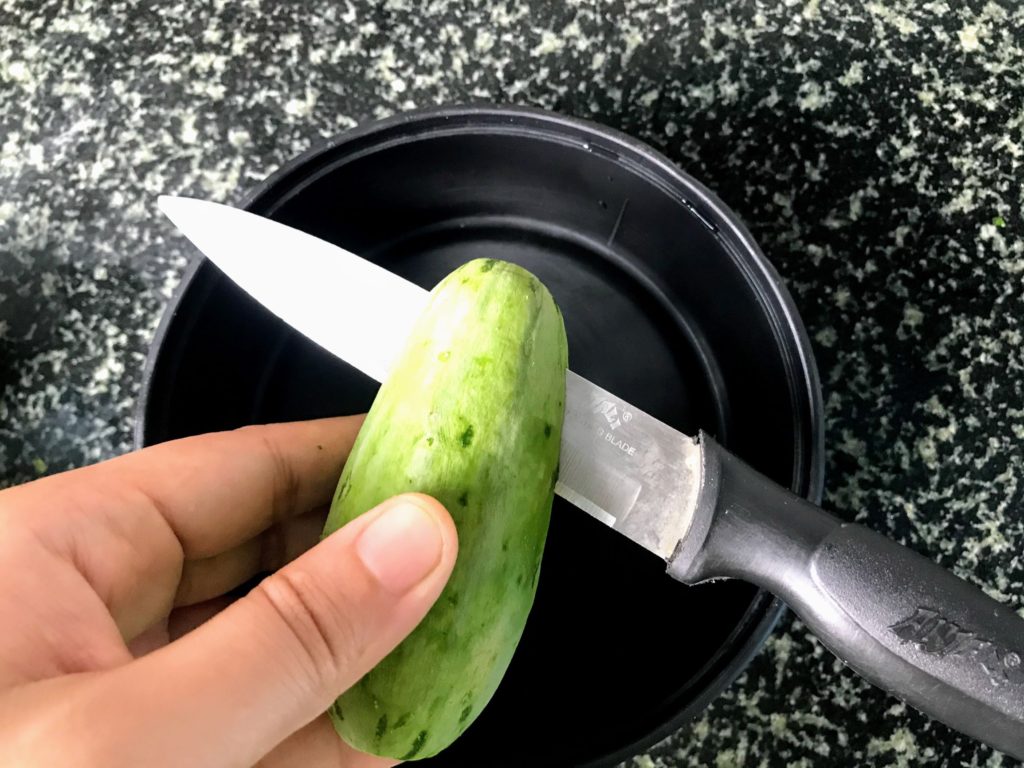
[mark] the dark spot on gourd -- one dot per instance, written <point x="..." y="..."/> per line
<point x="466" y="438"/>
<point x="417" y="745"/>
<point x="382" y="726"/>
<point x="336" y="711"/>
<point x="488" y="265"/>
<point x="504" y="546"/>
<point x="534" y="285"/>
<point x="343" y="490"/>
<point x="466" y="712"/>
<point x="430" y="441"/>
<point x="464" y="498"/>
<point x="402" y="720"/>
<point x="519" y="580"/>
<point x="453" y="599"/>
<point x="547" y="430"/>
<point x="445" y="356"/>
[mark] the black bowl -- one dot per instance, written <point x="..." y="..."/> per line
<point x="667" y="302"/>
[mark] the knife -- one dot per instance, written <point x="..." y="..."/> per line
<point x="895" y="617"/>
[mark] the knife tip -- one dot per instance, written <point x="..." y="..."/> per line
<point x="166" y="204"/>
<point x="170" y="204"/>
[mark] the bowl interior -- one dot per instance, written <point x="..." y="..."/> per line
<point x="665" y="303"/>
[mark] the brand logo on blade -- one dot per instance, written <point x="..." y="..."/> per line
<point x="615" y="417"/>
<point x="934" y="634"/>
<point x="612" y="414"/>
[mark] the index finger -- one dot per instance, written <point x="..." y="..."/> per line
<point x="126" y="524"/>
<point x="218" y="490"/>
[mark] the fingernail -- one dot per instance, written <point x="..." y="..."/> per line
<point x="401" y="547"/>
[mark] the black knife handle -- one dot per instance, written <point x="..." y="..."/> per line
<point x="896" y="618"/>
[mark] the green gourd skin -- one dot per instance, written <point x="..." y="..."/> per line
<point x="471" y="414"/>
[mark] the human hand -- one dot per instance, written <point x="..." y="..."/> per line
<point x="111" y="574"/>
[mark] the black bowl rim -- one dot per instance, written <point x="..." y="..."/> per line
<point x="765" y="609"/>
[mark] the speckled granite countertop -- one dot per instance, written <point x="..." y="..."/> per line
<point x="876" y="152"/>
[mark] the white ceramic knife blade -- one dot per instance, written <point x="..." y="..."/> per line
<point x="619" y="464"/>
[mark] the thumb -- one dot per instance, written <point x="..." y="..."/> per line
<point x="228" y="692"/>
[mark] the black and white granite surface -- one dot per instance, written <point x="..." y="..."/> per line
<point x="876" y="151"/>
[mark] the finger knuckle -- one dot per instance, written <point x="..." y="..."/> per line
<point x="323" y="637"/>
<point x="285" y="478"/>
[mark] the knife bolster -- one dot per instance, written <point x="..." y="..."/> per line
<point x="746" y="526"/>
